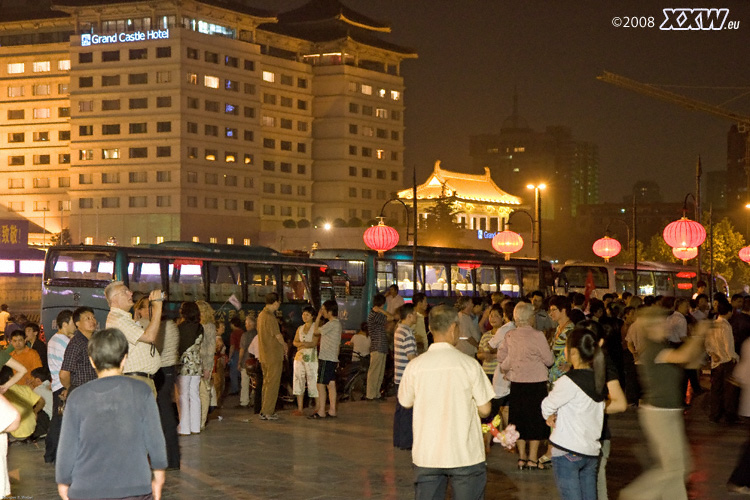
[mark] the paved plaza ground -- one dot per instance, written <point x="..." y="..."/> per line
<point x="351" y="457"/>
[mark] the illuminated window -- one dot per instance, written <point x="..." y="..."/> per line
<point x="211" y="155"/>
<point x="135" y="240"/>
<point x="160" y="239"/>
<point x="268" y="121"/>
<point x="381" y="93"/>
<point x="86" y="154"/>
<point x="368" y="131"/>
<point x="230" y="157"/>
<point x="192" y="78"/>
<point x="113" y="153"/>
<point x="40" y="89"/>
<point x="15" y="68"/>
<point x="269" y="76"/>
<point x="211" y="82"/>
<point x="196" y="239"/>
<point x="41" y="67"/>
<point x="519" y="149"/>
<point x="366" y="89"/>
<point x="230" y="241"/>
<point x="381" y="113"/>
<point x="246" y="242"/>
<point x="231" y="109"/>
<point x="248" y="159"/>
<point x="17" y="91"/>
<point x="380" y="154"/>
<point x="89" y="240"/>
<point x="213" y="240"/>
<point x="42" y="112"/>
<point x="395" y="95"/>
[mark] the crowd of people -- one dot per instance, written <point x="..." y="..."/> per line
<point x="553" y="367"/>
<point x="558" y="366"/>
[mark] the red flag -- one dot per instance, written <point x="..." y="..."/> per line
<point x="590" y="287"/>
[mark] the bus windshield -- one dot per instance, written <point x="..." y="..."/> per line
<point x="83" y="266"/>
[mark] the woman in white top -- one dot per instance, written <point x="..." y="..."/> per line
<point x="305" y="361"/>
<point x="575" y="411"/>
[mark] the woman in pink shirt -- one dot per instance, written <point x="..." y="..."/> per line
<point x="525" y="358"/>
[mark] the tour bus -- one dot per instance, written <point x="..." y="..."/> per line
<point x="654" y="278"/>
<point x="20" y="278"/>
<point x="219" y="274"/>
<point x="443" y="274"/>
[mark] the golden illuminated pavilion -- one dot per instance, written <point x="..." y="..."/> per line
<point x="481" y="204"/>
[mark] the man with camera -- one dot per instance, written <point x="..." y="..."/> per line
<point x="143" y="359"/>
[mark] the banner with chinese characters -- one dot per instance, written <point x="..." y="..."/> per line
<point x="14" y="233"/>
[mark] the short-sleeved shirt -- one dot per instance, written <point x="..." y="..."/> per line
<point x="271" y="351"/>
<point x="404" y="345"/>
<point x="245" y="340"/>
<point x="142" y="357"/>
<point x="661" y="381"/>
<point x="76" y="361"/>
<point x="376" y="328"/>
<point x="489" y="363"/>
<point x="23" y="399"/>
<point x="330" y="341"/>
<point x="234" y="338"/>
<point x="445" y="387"/>
<point x="55" y="354"/>
<point x="30" y="359"/>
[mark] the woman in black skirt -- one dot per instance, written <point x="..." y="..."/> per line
<point x="525" y="358"/>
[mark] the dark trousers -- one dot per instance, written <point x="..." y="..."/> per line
<point x="723" y="396"/>
<point x="164" y="381"/>
<point x="741" y="474"/>
<point x="53" y="434"/>
<point x="467" y="483"/>
<point x="403" y="436"/>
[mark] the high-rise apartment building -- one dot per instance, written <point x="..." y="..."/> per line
<point x="737" y="175"/>
<point x="519" y="155"/>
<point x="196" y="120"/>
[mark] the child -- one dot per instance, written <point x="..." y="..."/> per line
<point x="41" y="383"/>
<point x="34" y="422"/>
<point x="575" y="411"/>
<point x="305" y="361"/>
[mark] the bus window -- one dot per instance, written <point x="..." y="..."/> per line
<point x="7" y="266"/>
<point x="88" y="266"/>
<point x="186" y="280"/>
<point x="354" y="269"/>
<point x="486" y="280"/>
<point x="576" y="276"/>
<point x="623" y="281"/>
<point x="435" y="284"/>
<point x="509" y="282"/>
<point x="405" y="273"/>
<point x="31" y="266"/>
<point x="224" y="281"/>
<point x="663" y="282"/>
<point x="645" y="283"/>
<point x="385" y="274"/>
<point x="260" y="282"/>
<point x="461" y="280"/>
<point x="144" y="275"/>
<point x="294" y="284"/>
<point x="530" y="279"/>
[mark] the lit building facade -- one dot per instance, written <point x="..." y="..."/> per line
<point x="479" y="203"/>
<point x="196" y="120"/>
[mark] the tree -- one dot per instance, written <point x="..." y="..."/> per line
<point x="658" y="251"/>
<point x="626" y="256"/>
<point x="62" y="238"/>
<point x="726" y="246"/>
<point x="441" y="215"/>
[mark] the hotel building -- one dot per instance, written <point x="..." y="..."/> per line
<point x="208" y="120"/>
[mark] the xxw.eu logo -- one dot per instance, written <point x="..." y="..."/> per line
<point x="697" y="19"/>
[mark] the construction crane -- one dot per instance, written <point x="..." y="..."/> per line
<point x="742" y="121"/>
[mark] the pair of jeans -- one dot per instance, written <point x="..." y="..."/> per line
<point x="575" y="476"/>
<point x="467" y="483"/>
<point x="53" y="434"/>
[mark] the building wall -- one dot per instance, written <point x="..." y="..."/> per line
<point x="192" y="137"/>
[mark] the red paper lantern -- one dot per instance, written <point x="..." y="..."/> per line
<point x="507" y="242"/>
<point x="606" y="248"/>
<point x="685" y="286"/>
<point x="745" y="254"/>
<point x="380" y="237"/>
<point x="684" y="233"/>
<point x="685" y="253"/>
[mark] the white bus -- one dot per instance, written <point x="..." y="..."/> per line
<point x="654" y="278"/>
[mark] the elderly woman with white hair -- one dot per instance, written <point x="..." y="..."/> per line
<point x="525" y="358"/>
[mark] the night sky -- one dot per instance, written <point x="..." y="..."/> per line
<point x="472" y="53"/>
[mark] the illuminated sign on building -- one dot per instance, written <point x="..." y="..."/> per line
<point x="485" y="235"/>
<point x="14" y="233"/>
<point x="88" y="39"/>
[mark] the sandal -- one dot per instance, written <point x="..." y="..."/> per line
<point x="521" y="464"/>
<point x="545" y="460"/>
<point x="535" y="465"/>
<point x="315" y="416"/>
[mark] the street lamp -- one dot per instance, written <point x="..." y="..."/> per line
<point x="538" y="211"/>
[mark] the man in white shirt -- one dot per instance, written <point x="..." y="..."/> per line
<point x="393" y="300"/>
<point x="676" y="322"/>
<point x="701" y="310"/>
<point x="449" y="392"/>
<point x="66" y="327"/>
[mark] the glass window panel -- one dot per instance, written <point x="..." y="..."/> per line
<point x="7" y="266"/>
<point x="186" y="280"/>
<point x="31" y="266"/>
<point x="83" y="266"/>
<point x="435" y="283"/>
<point x="225" y="281"/>
<point x="260" y="281"/>
<point x="486" y="280"/>
<point x="509" y="282"/>
<point x="144" y="275"/>
<point x="294" y="285"/>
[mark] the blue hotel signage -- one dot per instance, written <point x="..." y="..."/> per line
<point x="88" y="39"/>
<point x="485" y="235"/>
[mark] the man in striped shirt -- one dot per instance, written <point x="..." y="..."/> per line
<point x="404" y="350"/>
<point x="55" y="353"/>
